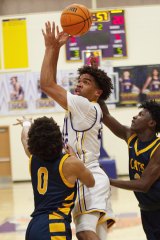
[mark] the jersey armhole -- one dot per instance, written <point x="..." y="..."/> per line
<point x="154" y="149"/>
<point x="131" y="138"/>
<point x="68" y="184"/>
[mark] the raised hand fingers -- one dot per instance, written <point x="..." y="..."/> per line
<point x="53" y="39"/>
<point x="48" y="27"/>
<point x="53" y="29"/>
<point x="19" y="122"/>
<point x="57" y="29"/>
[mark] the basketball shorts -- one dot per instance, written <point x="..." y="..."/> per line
<point x="95" y="199"/>
<point x="151" y="224"/>
<point x="48" y="227"/>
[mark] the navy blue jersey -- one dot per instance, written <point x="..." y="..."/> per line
<point x="140" y="154"/>
<point x="52" y="192"/>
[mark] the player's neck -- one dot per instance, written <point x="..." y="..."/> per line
<point x="146" y="136"/>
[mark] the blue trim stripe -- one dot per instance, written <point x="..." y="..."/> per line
<point x="84" y="129"/>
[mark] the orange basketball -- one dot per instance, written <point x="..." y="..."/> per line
<point x="76" y="19"/>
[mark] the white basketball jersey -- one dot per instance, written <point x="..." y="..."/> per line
<point x="82" y="128"/>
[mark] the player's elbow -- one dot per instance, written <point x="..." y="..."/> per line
<point x="43" y="86"/>
<point x="144" y="187"/>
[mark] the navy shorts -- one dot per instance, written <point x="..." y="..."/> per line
<point x="48" y="227"/>
<point x="151" y="224"/>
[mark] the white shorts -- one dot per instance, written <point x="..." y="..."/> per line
<point x="96" y="199"/>
<point x="87" y="222"/>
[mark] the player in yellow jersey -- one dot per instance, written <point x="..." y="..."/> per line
<point x="53" y="176"/>
<point x="82" y="130"/>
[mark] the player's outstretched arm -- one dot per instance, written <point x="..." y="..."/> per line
<point x="116" y="127"/>
<point x="53" y="43"/>
<point x="74" y="169"/>
<point x="148" y="177"/>
<point x="25" y="123"/>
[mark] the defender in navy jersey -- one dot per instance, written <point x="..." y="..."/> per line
<point x="144" y="162"/>
<point x="82" y="130"/>
<point x="53" y="176"/>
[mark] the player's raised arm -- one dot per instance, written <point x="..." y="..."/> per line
<point x="53" y="43"/>
<point x="25" y="123"/>
<point x="116" y="127"/>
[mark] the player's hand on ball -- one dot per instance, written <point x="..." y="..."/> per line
<point x="51" y="39"/>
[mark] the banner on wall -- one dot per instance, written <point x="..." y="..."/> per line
<point x="21" y="93"/>
<point x="15" y="47"/>
<point x="17" y="95"/>
<point x="138" y="83"/>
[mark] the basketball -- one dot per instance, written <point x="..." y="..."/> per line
<point x="76" y="19"/>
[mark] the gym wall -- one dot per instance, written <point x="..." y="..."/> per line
<point x="143" y="36"/>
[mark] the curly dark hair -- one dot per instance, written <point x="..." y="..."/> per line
<point x="101" y="79"/>
<point x="154" y="109"/>
<point x="45" y="139"/>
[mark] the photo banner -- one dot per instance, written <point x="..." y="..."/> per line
<point x="21" y="93"/>
<point x="138" y="83"/>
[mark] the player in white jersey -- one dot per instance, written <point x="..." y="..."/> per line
<point x="82" y="130"/>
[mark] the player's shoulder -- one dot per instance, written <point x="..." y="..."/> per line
<point x="96" y="107"/>
<point x="73" y="164"/>
<point x="71" y="159"/>
<point x="77" y="98"/>
<point x="130" y="135"/>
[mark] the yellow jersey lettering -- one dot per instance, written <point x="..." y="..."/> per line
<point x="42" y="180"/>
<point x="142" y="167"/>
<point x="138" y="166"/>
<point x="131" y="163"/>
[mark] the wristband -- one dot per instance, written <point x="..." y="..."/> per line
<point x="26" y="124"/>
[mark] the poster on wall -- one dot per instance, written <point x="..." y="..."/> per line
<point x="42" y="100"/>
<point x="15" y="46"/>
<point x="4" y="96"/>
<point x="17" y="95"/>
<point x="88" y="54"/>
<point x="70" y="78"/>
<point x="138" y="83"/>
<point x="21" y="93"/>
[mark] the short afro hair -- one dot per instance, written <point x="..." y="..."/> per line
<point x="101" y="79"/>
<point x="154" y="109"/>
<point x="45" y="139"/>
